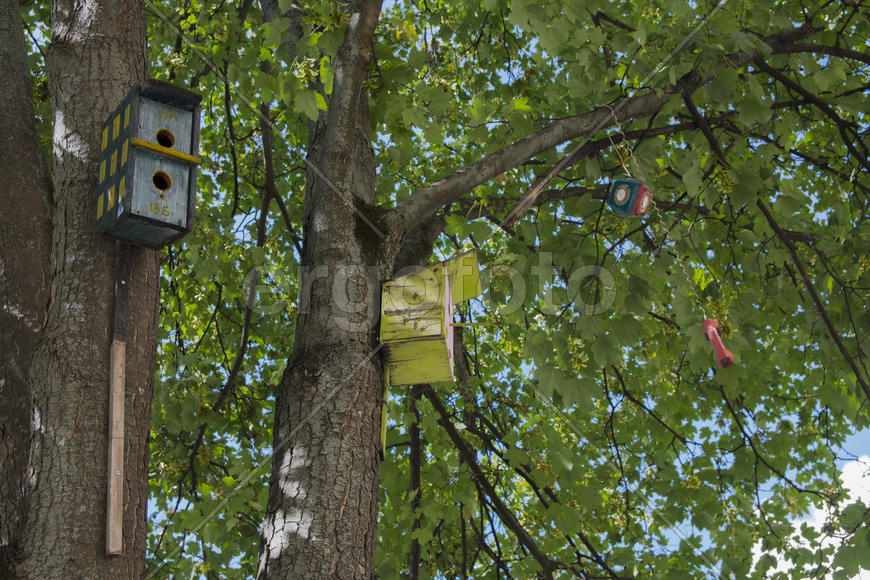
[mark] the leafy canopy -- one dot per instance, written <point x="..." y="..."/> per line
<point x="608" y="437"/>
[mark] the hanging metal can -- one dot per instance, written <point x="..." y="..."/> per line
<point x="629" y="197"/>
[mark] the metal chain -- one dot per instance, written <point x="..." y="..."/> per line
<point x="654" y="209"/>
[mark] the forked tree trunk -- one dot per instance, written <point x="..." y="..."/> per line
<point x="323" y="497"/>
<point x="322" y="513"/>
<point x="64" y="302"/>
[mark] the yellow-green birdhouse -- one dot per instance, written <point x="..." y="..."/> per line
<point x="417" y="317"/>
<point x="464" y="275"/>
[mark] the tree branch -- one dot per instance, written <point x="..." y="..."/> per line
<point x="507" y="517"/>
<point x="649" y="411"/>
<point x="747" y="437"/>
<point x="705" y="128"/>
<point x="826" y="50"/>
<point x="414" y="463"/>
<point x="815" y="296"/>
<point x="350" y="70"/>
<point x="820" y="104"/>
<point x="25" y="273"/>
<point x="268" y="193"/>
<point x="600" y="15"/>
<point x="525" y="471"/>
<point x="431" y="198"/>
<point x="228" y="110"/>
<point x="297" y="241"/>
<point x="533" y="195"/>
<point x="820" y="163"/>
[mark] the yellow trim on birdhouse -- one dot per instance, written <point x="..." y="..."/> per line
<point x="100" y="206"/>
<point x="102" y="170"/>
<point x="105" y="140"/>
<point x="127" y="116"/>
<point x="117" y="127"/>
<point x="111" y="199"/>
<point x="124" y="152"/>
<point x="136" y="142"/>
<point x="121" y="187"/>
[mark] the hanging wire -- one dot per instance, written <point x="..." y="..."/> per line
<point x="654" y="209"/>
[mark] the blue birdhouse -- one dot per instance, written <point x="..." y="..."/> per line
<point x="629" y="197"/>
<point x="148" y="166"/>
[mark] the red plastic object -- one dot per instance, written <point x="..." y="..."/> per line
<point x="724" y="358"/>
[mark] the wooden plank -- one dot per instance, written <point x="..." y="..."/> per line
<point x="427" y="360"/>
<point x="384" y="407"/>
<point x="448" y="319"/>
<point x="115" y="492"/>
<point x="412" y="307"/>
<point x="464" y="273"/>
<point x="416" y="362"/>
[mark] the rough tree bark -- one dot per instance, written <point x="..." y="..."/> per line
<point x="24" y="278"/>
<point x="56" y="289"/>
<point x="322" y="512"/>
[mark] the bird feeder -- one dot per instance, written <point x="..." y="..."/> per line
<point x="629" y="197"/>
<point x="146" y="186"/>
<point x="417" y="319"/>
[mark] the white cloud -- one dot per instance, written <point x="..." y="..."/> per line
<point x="855" y="476"/>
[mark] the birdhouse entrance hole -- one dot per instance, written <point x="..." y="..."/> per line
<point x="161" y="180"/>
<point x="165" y="138"/>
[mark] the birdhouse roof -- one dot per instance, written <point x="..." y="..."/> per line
<point x="170" y="94"/>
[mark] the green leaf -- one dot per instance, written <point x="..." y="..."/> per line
<point x="693" y="178"/>
<point x="548" y="381"/>
<point x="326" y="74"/>
<point x="754" y="112"/>
<point x="593" y="170"/>
<point x="330" y="40"/>
<point x="606" y="351"/>
<point x="574" y="391"/>
<point x="305" y="102"/>
<point x="522" y="104"/>
<point x="748" y="185"/>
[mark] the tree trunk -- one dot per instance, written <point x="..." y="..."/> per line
<point x="322" y="513"/>
<point x="24" y="278"/>
<point x="97" y="52"/>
